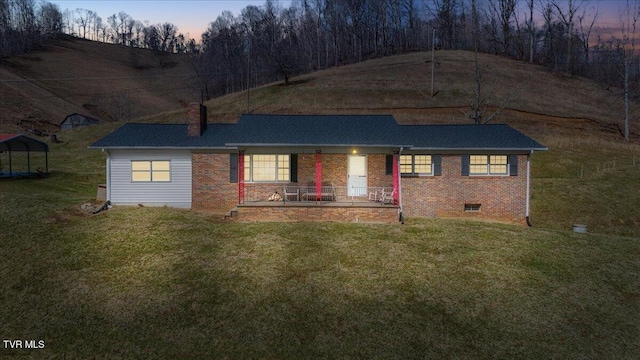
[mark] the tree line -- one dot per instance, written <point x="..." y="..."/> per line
<point x="25" y="25"/>
<point x="271" y="42"/>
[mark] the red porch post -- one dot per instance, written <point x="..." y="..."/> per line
<point x="318" y="175"/>
<point x="241" y="177"/>
<point x="396" y="180"/>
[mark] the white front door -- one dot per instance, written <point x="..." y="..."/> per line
<point x="357" y="175"/>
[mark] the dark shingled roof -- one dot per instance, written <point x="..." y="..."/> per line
<point x="321" y="130"/>
<point x="331" y="130"/>
<point x="468" y="137"/>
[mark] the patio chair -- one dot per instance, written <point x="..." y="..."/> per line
<point x="386" y="197"/>
<point x="291" y="192"/>
<point x="327" y="192"/>
<point x="374" y="195"/>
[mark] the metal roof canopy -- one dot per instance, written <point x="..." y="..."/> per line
<point x="21" y="143"/>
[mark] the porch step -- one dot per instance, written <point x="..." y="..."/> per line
<point x="231" y="213"/>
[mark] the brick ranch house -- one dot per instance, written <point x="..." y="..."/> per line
<point x="322" y="167"/>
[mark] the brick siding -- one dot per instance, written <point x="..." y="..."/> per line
<point x="334" y="169"/>
<point x="211" y="190"/>
<point x="369" y="214"/>
<point x="501" y="197"/>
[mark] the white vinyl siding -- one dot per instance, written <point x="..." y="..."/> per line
<point x="173" y="190"/>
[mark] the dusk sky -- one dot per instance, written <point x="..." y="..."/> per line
<point x="190" y="16"/>
<point x="193" y="16"/>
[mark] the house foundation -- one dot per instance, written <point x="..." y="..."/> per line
<point x="332" y="212"/>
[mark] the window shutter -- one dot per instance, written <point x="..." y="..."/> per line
<point x="389" y="164"/>
<point x="513" y="165"/>
<point x="465" y="165"/>
<point x="293" y="163"/>
<point x="437" y="165"/>
<point x="233" y="168"/>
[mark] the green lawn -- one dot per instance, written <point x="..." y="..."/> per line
<point x="161" y="283"/>
<point x="157" y="282"/>
<point x="144" y="282"/>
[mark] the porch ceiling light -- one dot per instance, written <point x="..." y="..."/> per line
<point x="354" y="151"/>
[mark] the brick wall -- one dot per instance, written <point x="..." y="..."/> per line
<point x="372" y="214"/>
<point x="334" y="169"/>
<point x="211" y="189"/>
<point x="376" y="168"/>
<point x="502" y="197"/>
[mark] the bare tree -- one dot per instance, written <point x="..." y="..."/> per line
<point x="532" y="31"/>
<point x="444" y="11"/>
<point x="124" y="19"/>
<point x="68" y="21"/>
<point x="505" y="10"/>
<point x="550" y="48"/>
<point x="586" y="21"/>
<point x="628" y="21"/>
<point x="481" y="99"/>
<point x="139" y="27"/>
<point x="5" y="29"/>
<point x="567" y="16"/>
<point x="167" y="35"/>
<point x="83" y="19"/>
<point x="102" y="29"/>
<point x="50" y="19"/>
<point x="115" y="27"/>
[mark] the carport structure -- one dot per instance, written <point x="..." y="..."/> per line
<point x="10" y="143"/>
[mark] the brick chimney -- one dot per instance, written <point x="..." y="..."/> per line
<point x="196" y="119"/>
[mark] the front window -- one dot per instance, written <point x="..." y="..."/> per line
<point x="266" y="168"/>
<point x="151" y="171"/>
<point x="416" y="165"/>
<point x="488" y="165"/>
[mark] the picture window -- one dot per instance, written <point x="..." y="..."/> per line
<point x="267" y="168"/>
<point x="151" y="171"/>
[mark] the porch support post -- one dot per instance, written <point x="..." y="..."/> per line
<point x="318" y="175"/>
<point x="241" y="177"/>
<point x="396" y="180"/>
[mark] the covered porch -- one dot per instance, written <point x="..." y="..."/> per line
<point x="321" y="185"/>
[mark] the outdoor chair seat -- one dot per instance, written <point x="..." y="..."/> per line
<point x="327" y="193"/>
<point x="291" y="193"/>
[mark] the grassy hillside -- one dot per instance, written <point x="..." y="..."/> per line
<point x="143" y="282"/>
<point x="74" y="75"/>
<point x="587" y="176"/>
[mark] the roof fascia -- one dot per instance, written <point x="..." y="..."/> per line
<point x="478" y="149"/>
<point x="318" y="145"/>
<point x="161" y="147"/>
